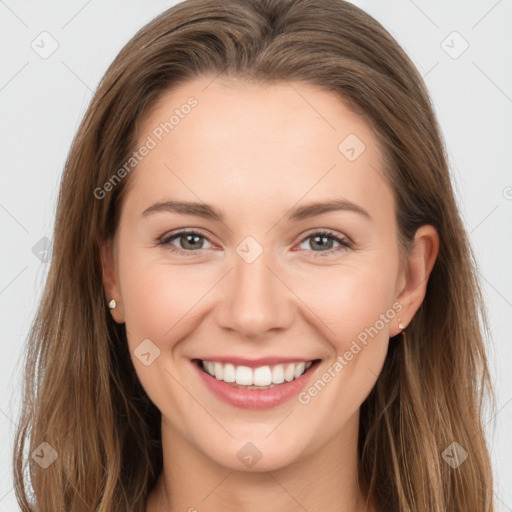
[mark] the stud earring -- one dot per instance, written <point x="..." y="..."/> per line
<point x="400" y="324"/>
<point x="112" y="304"/>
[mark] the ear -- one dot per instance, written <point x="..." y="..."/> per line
<point x="414" y="277"/>
<point x="111" y="280"/>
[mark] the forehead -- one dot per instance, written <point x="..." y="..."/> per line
<point x="232" y="142"/>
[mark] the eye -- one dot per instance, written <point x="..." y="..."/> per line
<point x="192" y="240"/>
<point x="324" y="240"/>
<point x="189" y="239"/>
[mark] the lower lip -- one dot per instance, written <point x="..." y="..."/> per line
<point x="255" y="398"/>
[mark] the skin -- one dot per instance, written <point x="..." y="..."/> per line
<point x="256" y="152"/>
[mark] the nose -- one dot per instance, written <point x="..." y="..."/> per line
<point x="254" y="299"/>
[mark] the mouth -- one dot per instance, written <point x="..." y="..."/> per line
<point x="254" y="385"/>
<point x="251" y="377"/>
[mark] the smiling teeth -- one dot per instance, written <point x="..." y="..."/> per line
<point x="260" y="377"/>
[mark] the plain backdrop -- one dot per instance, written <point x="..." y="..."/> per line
<point x="463" y="49"/>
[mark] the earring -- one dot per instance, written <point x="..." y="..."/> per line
<point x="112" y="304"/>
<point x="400" y="324"/>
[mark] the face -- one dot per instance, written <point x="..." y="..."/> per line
<point x="261" y="278"/>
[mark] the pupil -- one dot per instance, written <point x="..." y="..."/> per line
<point x="187" y="237"/>
<point x="323" y="238"/>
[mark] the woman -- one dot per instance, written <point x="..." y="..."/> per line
<point x="262" y="296"/>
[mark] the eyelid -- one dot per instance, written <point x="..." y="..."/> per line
<point x="325" y="231"/>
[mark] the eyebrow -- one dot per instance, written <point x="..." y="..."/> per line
<point x="303" y="212"/>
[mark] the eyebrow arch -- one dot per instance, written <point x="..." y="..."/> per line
<point x="209" y="212"/>
<point x="186" y="208"/>
<point x="311" y="210"/>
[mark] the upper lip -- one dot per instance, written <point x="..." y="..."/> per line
<point x="255" y="363"/>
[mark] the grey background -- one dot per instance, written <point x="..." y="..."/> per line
<point x="42" y="101"/>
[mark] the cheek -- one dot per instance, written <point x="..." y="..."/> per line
<point x="157" y="296"/>
<point x="354" y="315"/>
<point x="163" y="300"/>
<point x="160" y="303"/>
<point x="347" y="300"/>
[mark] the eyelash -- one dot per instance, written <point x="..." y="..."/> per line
<point x="344" y="243"/>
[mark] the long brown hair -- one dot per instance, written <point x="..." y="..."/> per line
<point x="81" y="393"/>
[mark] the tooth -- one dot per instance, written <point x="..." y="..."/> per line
<point x="262" y="376"/>
<point x="229" y="373"/>
<point x="218" y="371"/>
<point x="278" y="374"/>
<point x="244" y="376"/>
<point x="299" y="370"/>
<point x="289" y="372"/>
